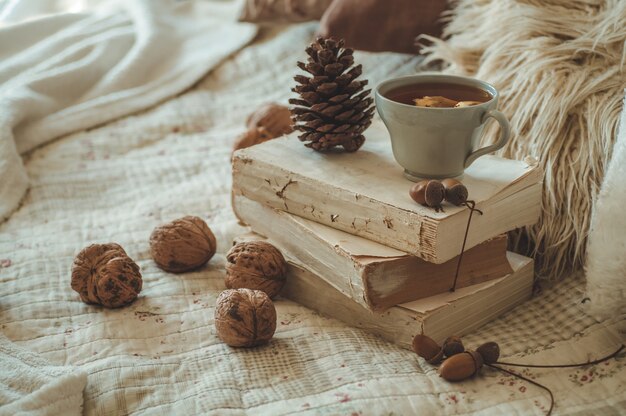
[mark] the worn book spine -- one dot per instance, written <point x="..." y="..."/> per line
<point x="368" y="273"/>
<point x="399" y="324"/>
<point x="434" y="239"/>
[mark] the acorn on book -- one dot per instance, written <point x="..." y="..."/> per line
<point x="333" y="108"/>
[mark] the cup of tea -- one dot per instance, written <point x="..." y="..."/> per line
<point x="438" y="135"/>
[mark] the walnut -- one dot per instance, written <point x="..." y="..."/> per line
<point x="256" y="265"/>
<point x="103" y="274"/>
<point x="244" y="317"/>
<point x="268" y="122"/>
<point x="274" y="118"/>
<point x="256" y="135"/>
<point x="182" y="245"/>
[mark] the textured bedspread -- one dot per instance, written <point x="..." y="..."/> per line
<point x="160" y="355"/>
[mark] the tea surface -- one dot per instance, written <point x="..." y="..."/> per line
<point x="408" y="93"/>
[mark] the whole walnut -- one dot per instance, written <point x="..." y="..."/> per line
<point x="255" y="135"/>
<point x="182" y="245"/>
<point x="274" y="118"/>
<point x="103" y="274"/>
<point x="256" y="265"/>
<point x="244" y="317"/>
<point x="269" y="121"/>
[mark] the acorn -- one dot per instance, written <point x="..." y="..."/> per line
<point x="490" y="351"/>
<point x="461" y="366"/>
<point x="428" y="192"/>
<point x="418" y="192"/>
<point x="427" y="348"/>
<point x="452" y="346"/>
<point x="455" y="192"/>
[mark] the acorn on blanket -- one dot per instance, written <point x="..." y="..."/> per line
<point x="460" y="363"/>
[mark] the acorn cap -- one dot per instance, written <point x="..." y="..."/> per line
<point x="455" y="192"/>
<point x="489" y="351"/>
<point x="453" y="345"/>
<point x="478" y="359"/>
<point x="435" y="193"/>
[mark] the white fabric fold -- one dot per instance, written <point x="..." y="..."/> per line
<point x="31" y="385"/>
<point x="67" y="72"/>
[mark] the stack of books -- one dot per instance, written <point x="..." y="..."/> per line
<point x="362" y="251"/>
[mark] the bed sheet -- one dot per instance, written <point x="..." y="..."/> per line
<point x="160" y="355"/>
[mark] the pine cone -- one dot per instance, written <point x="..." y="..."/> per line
<point x="333" y="109"/>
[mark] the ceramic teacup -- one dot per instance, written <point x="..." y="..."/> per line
<point x="438" y="142"/>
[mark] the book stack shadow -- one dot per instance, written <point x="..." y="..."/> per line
<point x="362" y="251"/>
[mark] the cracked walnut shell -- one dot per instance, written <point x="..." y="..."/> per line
<point x="182" y="245"/>
<point x="244" y="317"/>
<point x="256" y="265"/>
<point x="103" y="274"/>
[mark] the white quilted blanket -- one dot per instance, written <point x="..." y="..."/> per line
<point x="160" y="355"/>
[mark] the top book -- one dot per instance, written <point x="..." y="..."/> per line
<point x="366" y="194"/>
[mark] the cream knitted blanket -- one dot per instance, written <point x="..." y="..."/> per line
<point x="68" y="72"/>
<point x="160" y="355"/>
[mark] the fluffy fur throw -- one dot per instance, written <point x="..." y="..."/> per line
<point x="561" y="68"/>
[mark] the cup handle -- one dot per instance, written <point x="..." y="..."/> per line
<point x="505" y="132"/>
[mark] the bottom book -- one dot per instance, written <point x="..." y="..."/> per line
<point x="439" y="316"/>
